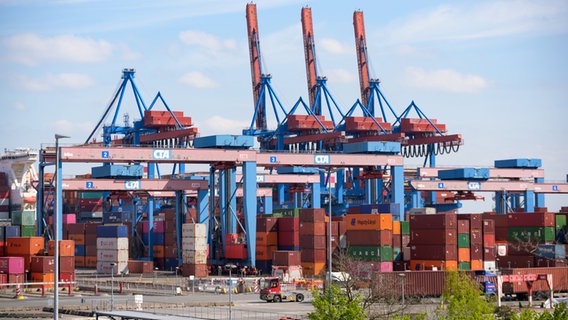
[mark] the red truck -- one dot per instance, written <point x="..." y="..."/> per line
<point x="275" y="291"/>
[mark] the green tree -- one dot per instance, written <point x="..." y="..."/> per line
<point x="341" y="308"/>
<point x="464" y="299"/>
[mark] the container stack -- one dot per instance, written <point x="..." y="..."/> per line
<point x="12" y="269"/>
<point x="4" y="197"/>
<point x="194" y="249"/>
<point x="289" y="232"/>
<point x="25" y="247"/>
<point x="266" y="242"/>
<point x="158" y="234"/>
<point x="313" y="240"/>
<point x="25" y="219"/>
<point x="112" y="249"/>
<point x="170" y="241"/>
<point x="370" y="239"/>
<point x="470" y="242"/>
<point x="433" y="241"/>
<point x="489" y="245"/>
<point x="289" y="262"/>
<point x="76" y="233"/>
<point x="66" y="258"/>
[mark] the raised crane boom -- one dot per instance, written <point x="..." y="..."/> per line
<point x="310" y="55"/>
<point x="360" y="43"/>
<point x="256" y="69"/>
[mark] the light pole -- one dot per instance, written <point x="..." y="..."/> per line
<point x="230" y="268"/>
<point x="112" y="285"/>
<point x="402" y="276"/>
<point x="57" y="228"/>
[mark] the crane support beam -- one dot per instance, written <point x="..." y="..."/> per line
<point x="314" y="137"/>
<point x="399" y="137"/>
<point x="205" y="155"/>
<point x="434" y="139"/>
<point x="132" y="185"/>
<point x="310" y="55"/>
<point x="260" y="192"/>
<point x="361" y="47"/>
<point x="190" y="132"/>
<point x="284" y="178"/>
<point x="487" y="186"/>
<point x="494" y="173"/>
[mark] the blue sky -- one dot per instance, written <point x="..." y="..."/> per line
<point x="494" y="71"/>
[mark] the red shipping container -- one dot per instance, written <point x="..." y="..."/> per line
<point x="159" y="226"/>
<point x="77" y="238"/>
<point x="11" y="265"/>
<point x="313" y="242"/>
<point x="396" y="241"/>
<point x="463" y="226"/>
<point x="66" y="248"/>
<point x="433" y="236"/>
<point x="489" y="240"/>
<point x="139" y="266"/>
<point x="67" y="264"/>
<point x="3" y="279"/>
<point x="91" y="228"/>
<point x="91" y="250"/>
<point x="488" y="226"/>
<point x="369" y="237"/>
<point x="334" y="228"/>
<point x="433" y="252"/>
<point x="433" y="221"/>
<point x="289" y="238"/>
<point x="266" y="238"/>
<point x="341" y="225"/>
<point x="266" y="224"/>
<point x="286" y="258"/>
<point x="16" y="278"/>
<point x="66" y="276"/>
<point x="313" y="255"/>
<point x="312" y="215"/>
<point x="475" y="237"/>
<point x="236" y="251"/>
<point x="501" y="233"/>
<point x="288" y="224"/>
<point x="80" y="261"/>
<point x="534" y="219"/>
<point x="312" y="228"/>
<point x="475" y="219"/>
<point x="489" y="254"/>
<point x="476" y="252"/>
<point x="42" y="264"/>
<point x="196" y="270"/>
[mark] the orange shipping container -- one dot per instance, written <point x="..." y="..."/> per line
<point x="24" y="246"/>
<point x="266" y="238"/>
<point x="464" y="254"/>
<point x="382" y="221"/>
<point x="80" y="261"/>
<point x="396" y="227"/>
<point x="159" y="251"/>
<point x="476" y="264"/>
<point x="66" y="248"/>
<point x="91" y="261"/>
<point x="78" y="238"/>
<point x="43" y="277"/>
<point x="264" y="252"/>
<point x="313" y="268"/>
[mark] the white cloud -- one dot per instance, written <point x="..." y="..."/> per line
<point x="20" y="106"/>
<point x="341" y="76"/>
<point x="206" y="40"/>
<point x="72" y="128"/>
<point x="447" y="80"/>
<point x="333" y="46"/>
<point x="220" y="125"/>
<point x="197" y="80"/>
<point x="481" y="20"/>
<point x="32" y="49"/>
<point x="61" y="80"/>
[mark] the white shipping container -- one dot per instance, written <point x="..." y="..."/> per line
<point x="197" y="244"/>
<point x="112" y="255"/>
<point x="489" y="266"/>
<point x="194" y="257"/>
<point x="112" y="243"/>
<point x="105" y="267"/>
<point x="427" y="210"/>
<point x="194" y="230"/>
<point x="406" y="253"/>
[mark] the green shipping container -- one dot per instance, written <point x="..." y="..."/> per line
<point x="365" y="253"/>
<point x="27" y="231"/>
<point x="531" y="234"/>
<point x="464" y="265"/>
<point x="90" y="195"/>
<point x="463" y="240"/>
<point x="386" y="253"/>
<point x="294" y="212"/>
<point x="560" y="221"/>
<point x="397" y="254"/>
<point x="404" y="227"/>
<point x="24" y="218"/>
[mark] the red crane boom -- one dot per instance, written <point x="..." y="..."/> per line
<point x="309" y="50"/>
<point x="254" y="50"/>
<point x="361" y="47"/>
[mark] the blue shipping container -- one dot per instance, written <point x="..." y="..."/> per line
<point x="80" y="250"/>
<point x="112" y="231"/>
<point x="388" y="147"/>
<point x="518" y="163"/>
<point x="12" y="232"/>
<point x="464" y="174"/>
<point x="225" y="141"/>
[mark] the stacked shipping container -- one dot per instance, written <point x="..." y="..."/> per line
<point x="194" y="249"/>
<point x="313" y="240"/>
<point x="112" y="249"/>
